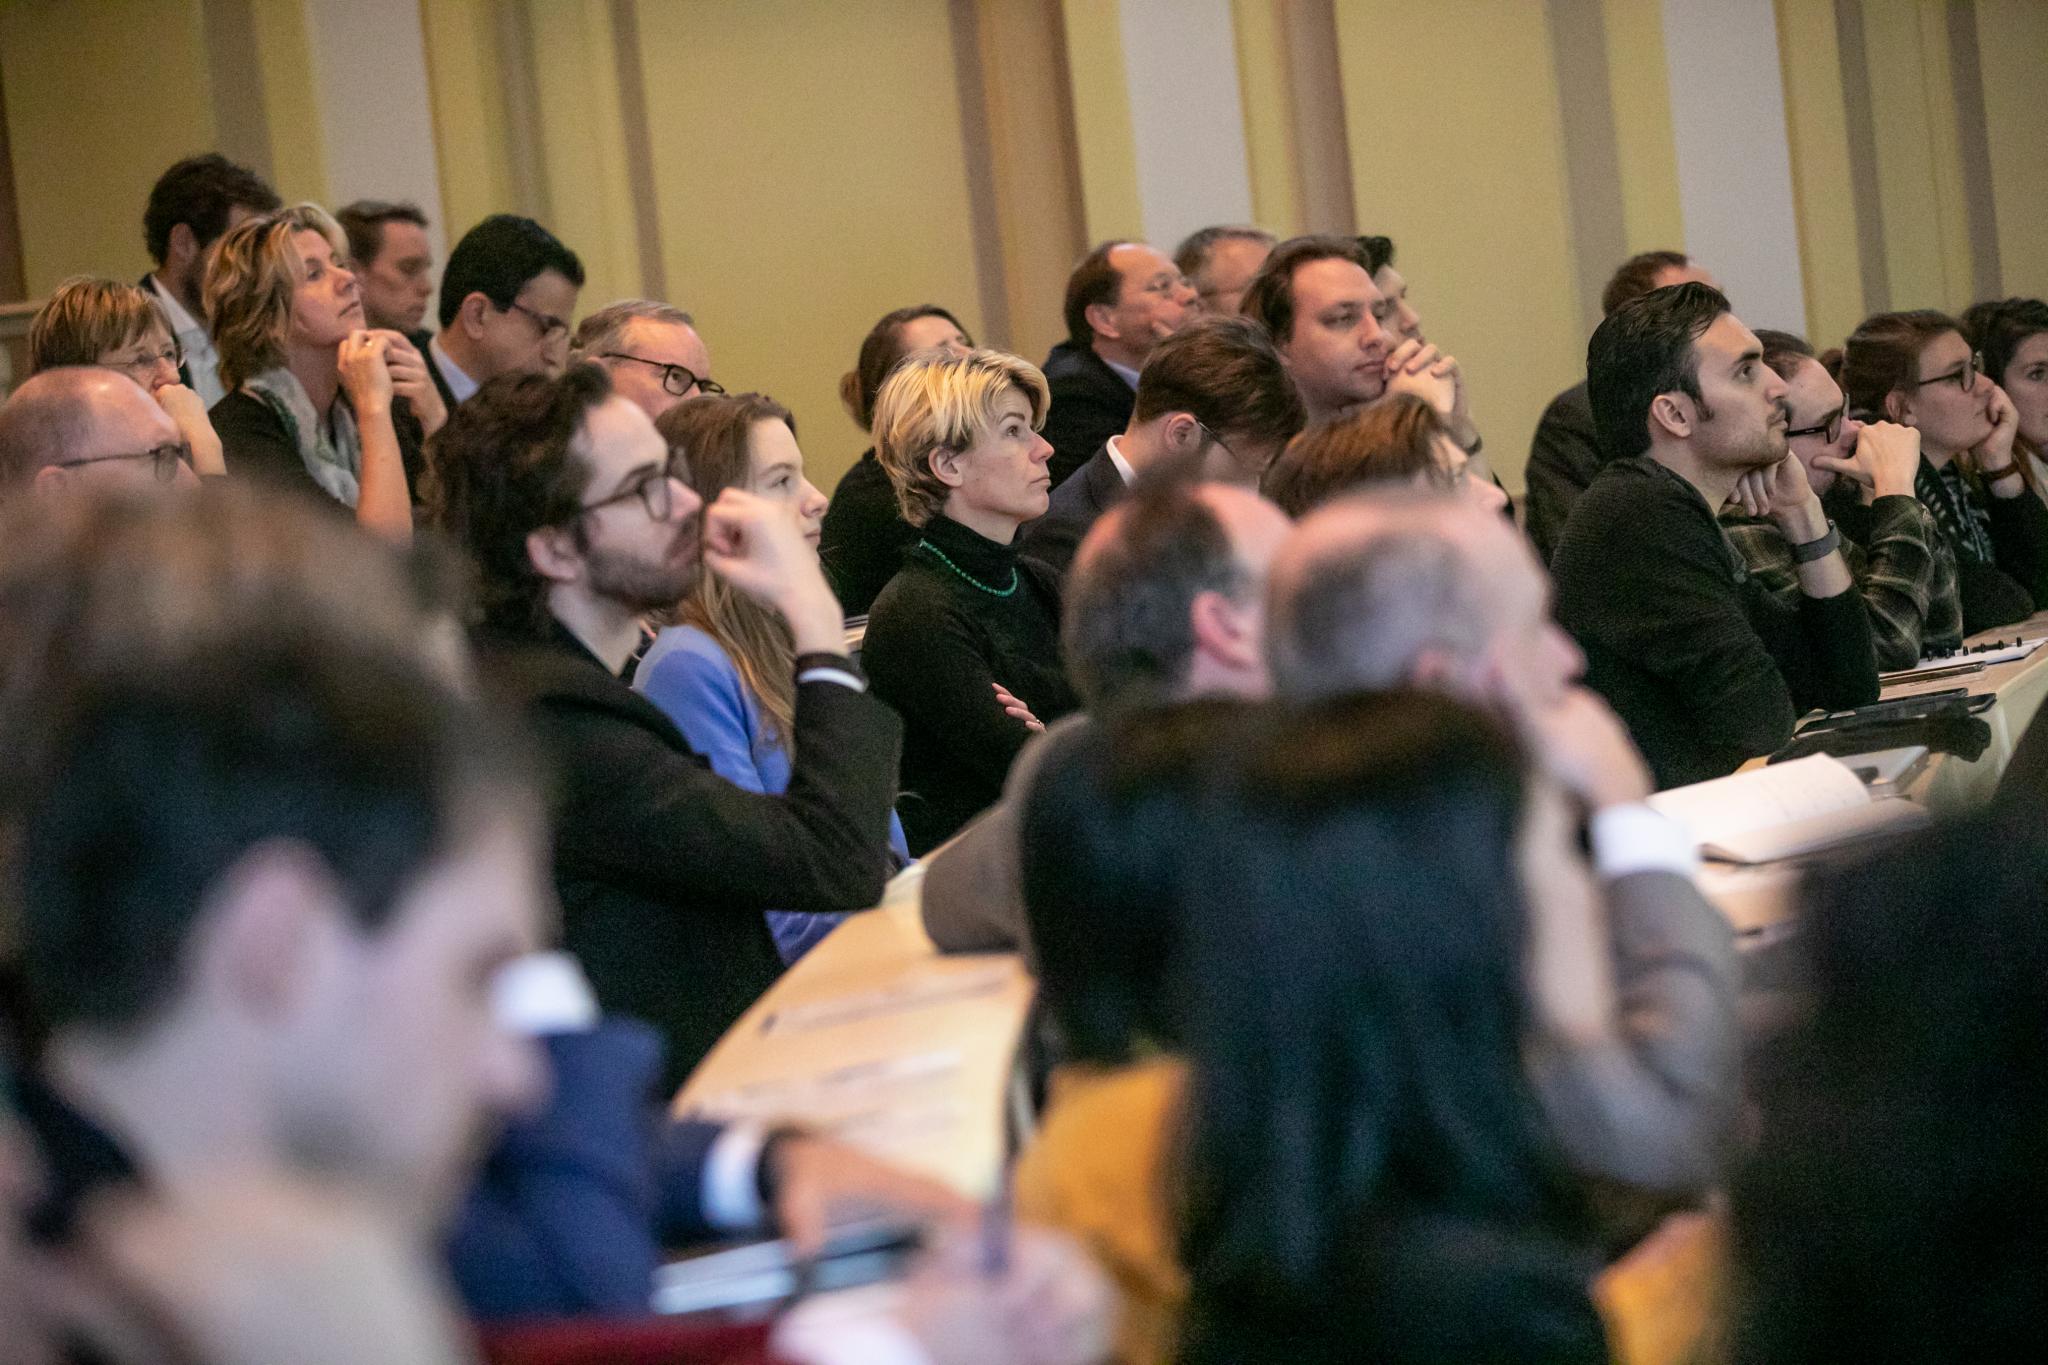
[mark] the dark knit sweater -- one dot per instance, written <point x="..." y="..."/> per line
<point x="1704" y="665"/>
<point x="864" y="536"/>
<point x="936" y="645"/>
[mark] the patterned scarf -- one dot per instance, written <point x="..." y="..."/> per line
<point x="1955" y="508"/>
<point x="333" y="459"/>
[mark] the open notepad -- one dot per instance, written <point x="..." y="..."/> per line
<point x="1785" y="810"/>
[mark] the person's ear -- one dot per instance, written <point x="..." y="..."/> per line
<point x="1898" y="406"/>
<point x="1102" y="317"/>
<point x="470" y="316"/>
<point x="264" y="926"/>
<point x="1673" y="412"/>
<point x="947" y="465"/>
<point x="555" y="554"/>
<point x="1183" y="433"/>
<point x="1223" y="630"/>
<point x="181" y="249"/>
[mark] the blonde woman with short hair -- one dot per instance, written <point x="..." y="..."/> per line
<point x="116" y="326"/>
<point x="316" y="399"/>
<point x="964" y="640"/>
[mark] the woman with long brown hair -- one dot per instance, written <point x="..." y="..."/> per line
<point x="725" y="670"/>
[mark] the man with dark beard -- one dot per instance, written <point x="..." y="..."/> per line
<point x="580" y="521"/>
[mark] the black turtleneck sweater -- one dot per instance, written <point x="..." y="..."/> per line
<point x="936" y="645"/>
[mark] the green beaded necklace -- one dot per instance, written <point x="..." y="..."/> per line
<point x="972" y="581"/>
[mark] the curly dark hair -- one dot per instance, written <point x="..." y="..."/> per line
<point x="199" y="192"/>
<point x="503" y="467"/>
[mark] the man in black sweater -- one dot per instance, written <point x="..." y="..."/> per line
<point x="1707" y="669"/>
<point x="580" y="521"/>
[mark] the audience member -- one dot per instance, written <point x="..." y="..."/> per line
<point x="1891" y="1207"/>
<point x="1215" y="393"/>
<point x="1399" y="590"/>
<point x="865" y="534"/>
<point x="1398" y="440"/>
<point x="1403" y="322"/>
<point x="191" y="206"/>
<point x="576" y="515"/>
<point x="1123" y="299"/>
<point x="725" y="673"/>
<point x="1413" y="1208"/>
<point x="1219" y="262"/>
<point x="2012" y="336"/>
<point x="652" y="352"/>
<point x="1864" y="475"/>
<point x="1566" y="454"/>
<point x="1165" y="604"/>
<point x="1707" y="667"/>
<point x="87" y="428"/>
<point x="1317" y="300"/>
<point x="508" y="295"/>
<point x="1917" y="369"/>
<point x="393" y="263"/>
<point x="318" y="402"/>
<point x="964" y="641"/>
<point x="116" y="326"/>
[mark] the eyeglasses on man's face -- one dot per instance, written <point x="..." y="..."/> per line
<point x="656" y="489"/>
<point x="1963" y="376"/>
<point x="164" y="459"/>
<point x="1829" y="431"/>
<point x="550" y="325"/>
<point x="678" y="380"/>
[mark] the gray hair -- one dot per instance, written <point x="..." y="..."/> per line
<point x="1357" y="611"/>
<point x="603" y="330"/>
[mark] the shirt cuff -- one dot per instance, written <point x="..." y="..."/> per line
<point x="850" y="1328"/>
<point x="732" y="1179"/>
<point x="837" y="669"/>
<point x="541" y="994"/>
<point x="1635" y="838"/>
<point x="832" y="675"/>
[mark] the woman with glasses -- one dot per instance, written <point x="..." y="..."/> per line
<point x="1917" y="369"/>
<point x="725" y="671"/>
<point x="116" y="326"/>
<point x="1398" y="440"/>
<point x="964" y="641"/>
<point x="316" y="399"/>
<point x="2012" y="336"/>
<point x="865" y="534"/>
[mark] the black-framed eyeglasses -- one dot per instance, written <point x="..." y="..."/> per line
<point x="676" y="379"/>
<point x="656" y="490"/>
<point x="1829" y="430"/>
<point x="164" y="459"/>
<point x="550" y="325"/>
<point x="1963" y="376"/>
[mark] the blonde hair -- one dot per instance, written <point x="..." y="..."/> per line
<point x="936" y="399"/>
<point x="84" y="318"/>
<point x="249" y="284"/>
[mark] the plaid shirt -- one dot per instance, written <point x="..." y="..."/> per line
<point x="1902" y="564"/>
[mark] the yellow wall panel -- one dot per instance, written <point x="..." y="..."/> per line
<point x="1263" y="78"/>
<point x="1102" y="120"/>
<point x="583" y="145"/>
<point x="467" y="75"/>
<point x="100" y="99"/>
<point x="1823" y="193"/>
<point x="291" y="112"/>
<point x="2012" y="39"/>
<point x="1645" y="149"/>
<point x="1912" y="106"/>
<point x="1458" y="154"/>
<point x="809" y="165"/>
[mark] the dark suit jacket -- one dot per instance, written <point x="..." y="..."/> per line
<point x="864" y="536"/>
<point x="255" y="444"/>
<point x="576" y="1202"/>
<point x="1090" y="404"/>
<point x="1053" y="538"/>
<point x="1563" y="458"/>
<point x="663" y="867"/>
<point x="440" y="380"/>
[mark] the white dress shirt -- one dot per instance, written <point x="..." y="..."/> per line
<point x="202" y="361"/>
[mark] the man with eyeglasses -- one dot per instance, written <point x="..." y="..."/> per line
<point x="1863" y="473"/>
<point x="508" y="295"/>
<point x="652" y="352"/>
<point x="1215" y="394"/>
<point x="1123" y="299"/>
<point x="581" y="522"/>
<point x="79" y="428"/>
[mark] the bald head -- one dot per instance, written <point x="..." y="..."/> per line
<point x="62" y="424"/>
<point x="1391" y="589"/>
<point x="1166" y="598"/>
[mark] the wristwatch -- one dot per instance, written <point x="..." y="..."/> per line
<point x="1821" y="548"/>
